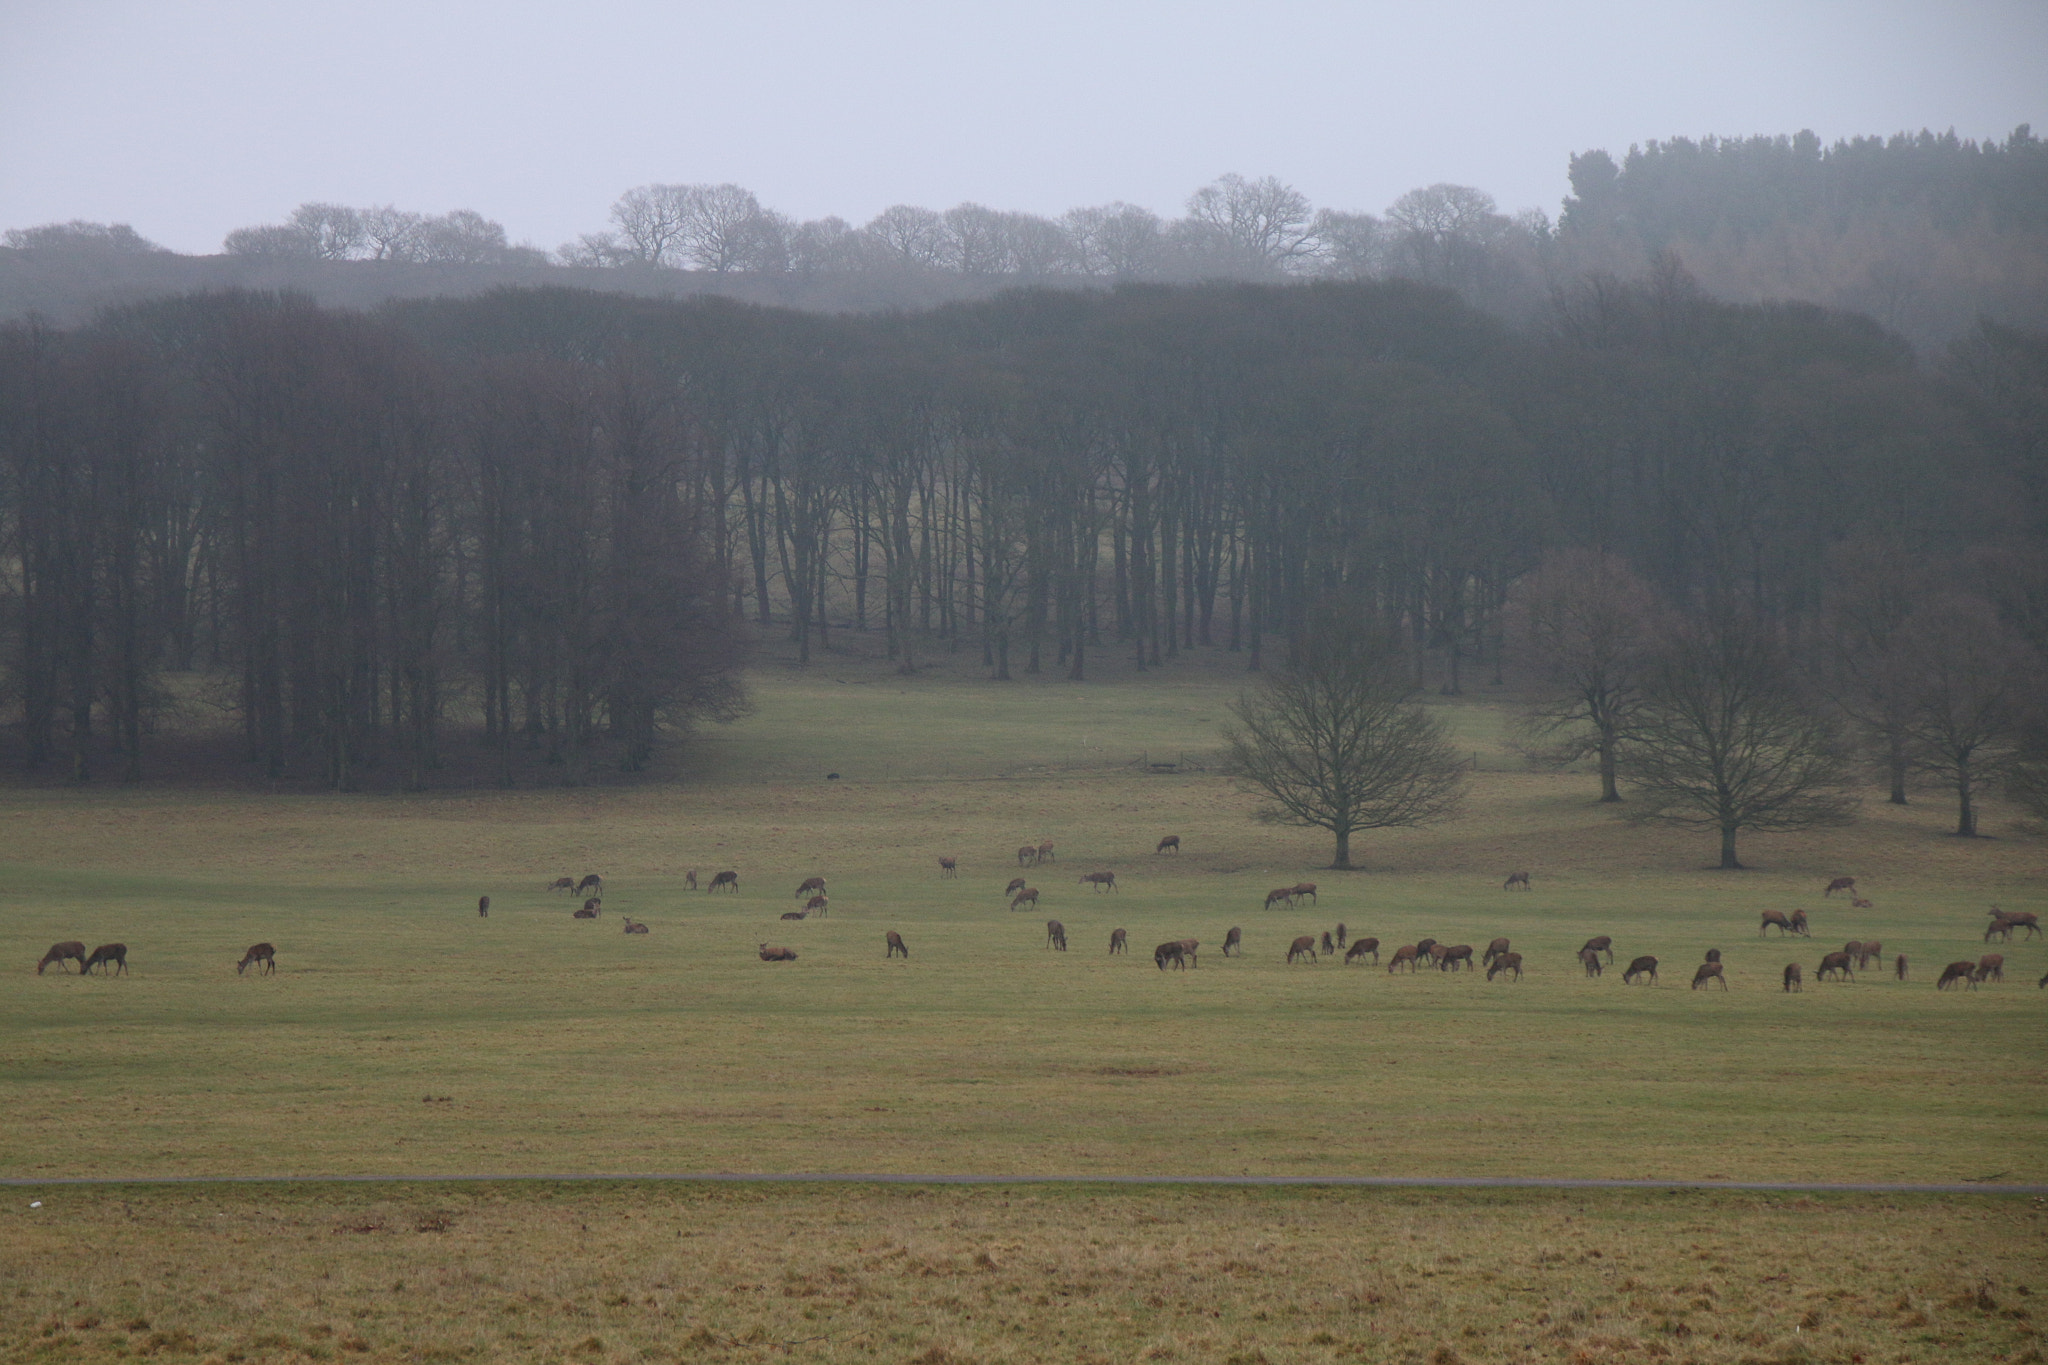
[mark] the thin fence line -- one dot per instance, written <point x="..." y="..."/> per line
<point x="1251" y="1181"/>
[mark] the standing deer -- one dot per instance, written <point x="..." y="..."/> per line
<point x="1027" y="854"/>
<point x="1170" y="844"/>
<point x="949" y="867"/>
<point x="1514" y="880"/>
<point x="633" y="926"/>
<point x="818" y="905"/>
<point x="69" y="951"/>
<point x="593" y="905"/>
<point x="1965" y="972"/>
<point x="483" y="907"/>
<point x="1025" y="896"/>
<point x="1101" y="881"/>
<point x="1233" y="938"/>
<point x="1016" y="885"/>
<point x="690" y="880"/>
<point x="1847" y="884"/>
<point x="1590" y="960"/>
<point x="1279" y="893"/>
<point x="1836" y="963"/>
<point x="592" y="883"/>
<point x="1642" y="966"/>
<point x="1873" y="951"/>
<point x="894" y="946"/>
<point x="1055" y="935"/>
<point x="1506" y="962"/>
<point x="1044" y="852"/>
<point x="1456" y="958"/>
<point x="1360" y="947"/>
<point x="1119" y="942"/>
<point x="1300" y="889"/>
<point x="1709" y="971"/>
<point x="1340" y="933"/>
<point x="115" y="953"/>
<point x="2018" y="919"/>
<point x="1991" y="967"/>
<point x="728" y="880"/>
<point x="1900" y="966"/>
<point x="1853" y="950"/>
<point x="1493" y="950"/>
<point x="1329" y="944"/>
<point x="1600" y="944"/>
<point x="1189" y="946"/>
<point x="1793" y="979"/>
<point x="258" y="952"/>
<point x="1405" y="953"/>
<point x="563" y="884"/>
<point x="1170" y="952"/>
<point x="1305" y="944"/>
<point x="1799" y="923"/>
<point x="1774" y="918"/>
<point x="809" y="884"/>
<point x="1424" y="948"/>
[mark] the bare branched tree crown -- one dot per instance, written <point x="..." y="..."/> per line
<point x="1337" y="741"/>
<point x="1583" y="622"/>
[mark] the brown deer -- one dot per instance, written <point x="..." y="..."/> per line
<point x="594" y="905"/>
<point x="114" y="953"/>
<point x="483" y="907"/>
<point x="1423" y="948"/>
<point x="1456" y="958"/>
<point x="894" y="946"/>
<point x="1300" y="889"/>
<point x="730" y="881"/>
<point x="2042" y="984"/>
<point x="1170" y="952"/>
<point x="1493" y="950"/>
<point x="592" y="883"/>
<point x="775" y="953"/>
<point x="1590" y="960"/>
<point x="1853" y="950"/>
<point x="70" y="950"/>
<point x="2018" y="919"/>
<point x="1190" y="947"/>
<point x="796" y="914"/>
<point x="1119" y="942"/>
<point x="1847" y="884"/>
<point x="1406" y="953"/>
<point x="1708" y="971"/>
<point x="1601" y="944"/>
<point x="634" y="926"/>
<point x="1873" y="951"/>
<point x="1279" y="893"/>
<point x="1305" y="944"/>
<point x="1799" y="923"/>
<point x="1362" y="947"/>
<point x="563" y="884"/>
<point x="1642" y="966"/>
<point x="1170" y="844"/>
<point x="809" y="884"/>
<point x="818" y="905"/>
<point x="1514" y="880"/>
<point x="1506" y="962"/>
<point x="1340" y="933"/>
<point x="1044" y="852"/>
<point x="1027" y="855"/>
<point x="1233" y="938"/>
<point x="1025" y="896"/>
<point x="1101" y="881"/>
<point x="258" y="952"/>
<point x="1713" y="954"/>
<point x="1016" y="885"/>
<point x="1436" y="954"/>
<point x="1055" y="935"/>
<point x="1774" y="919"/>
<point x="949" y="867"/>
<point x="1900" y="966"/>
<point x="1991" y="967"/>
<point x="1965" y="972"/>
<point x="1329" y="944"/>
<point x="589" y="911"/>
<point x="1793" y="978"/>
<point x="690" y="880"/>
<point x="1858" y="903"/>
<point x="1839" y="964"/>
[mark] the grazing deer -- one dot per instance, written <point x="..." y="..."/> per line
<point x="1300" y="889"/>
<point x="563" y="884"/>
<point x="1506" y="962"/>
<point x="1189" y="946"/>
<point x="809" y="884"/>
<point x="1991" y="967"/>
<point x="894" y="942"/>
<point x="1793" y="978"/>
<point x="1279" y="893"/>
<point x="1361" y="947"/>
<point x="1456" y="958"/>
<point x="634" y="926"/>
<point x="592" y="883"/>
<point x="1799" y="923"/>
<point x="1016" y="885"/>
<point x="594" y="905"/>
<point x="1999" y="928"/>
<point x="1965" y="972"/>
<point x="1493" y="950"/>
<point x="115" y="953"/>
<point x="2018" y="919"/>
<point x="1590" y="960"/>
<point x="1305" y="944"/>
<point x="1847" y="884"/>
<point x="1708" y="971"/>
<point x="1027" y="855"/>
<point x="1025" y="896"/>
<point x="258" y="952"/>
<point x="818" y="905"/>
<point x="1044" y="852"/>
<point x="1839" y="964"/>
<point x="1600" y="944"/>
<point x="1900" y="966"/>
<point x="796" y="914"/>
<point x="1853" y="949"/>
<point x="1858" y="903"/>
<point x="1170" y="952"/>
<point x="60" y="953"/>
<point x="1713" y="954"/>
<point x="1405" y="953"/>
<point x="1101" y="881"/>
<point x="690" y="880"/>
<point x="728" y="880"/>
<point x="1329" y="944"/>
<point x="1170" y="844"/>
<point x="775" y="953"/>
<point x="1055" y="935"/>
<point x="1771" y="919"/>
<point x="1119" y="942"/>
<point x="1436" y="954"/>
<point x="1642" y="966"/>
<point x="589" y="911"/>
<point x="949" y="867"/>
<point x="1233" y="938"/>
<point x="1873" y="951"/>
<point x="1514" y="880"/>
<point x="1424" y="947"/>
<point x="1340" y="933"/>
<point x="483" y="907"/>
<point x="2042" y="984"/>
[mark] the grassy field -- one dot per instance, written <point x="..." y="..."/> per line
<point x="403" y="1034"/>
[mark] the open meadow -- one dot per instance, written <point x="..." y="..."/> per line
<point x="404" y="1035"/>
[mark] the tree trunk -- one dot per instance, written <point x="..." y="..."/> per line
<point x="1966" y="812"/>
<point x="1728" y="858"/>
<point x="1342" y="862"/>
<point x="1608" y="791"/>
<point x="1896" y="762"/>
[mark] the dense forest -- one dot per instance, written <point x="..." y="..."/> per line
<point x="537" y="520"/>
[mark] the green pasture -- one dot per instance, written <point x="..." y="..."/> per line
<point x="403" y="1034"/>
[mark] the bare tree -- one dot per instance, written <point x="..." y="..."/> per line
<point x="1263" y="218"/>
<point x="79" y="235"/>
<point x="1584" y="622"/>
<point x="1336" y="741"/>
<point x="388" y="232"/>
<point x="1872" y="591"/>
<point x="1351" y="246"/>
<point x="653" y="223"/>
<point x="1723" y="740"/>
<point x="277" y="241"/>
<point x="1117" y="240"/>
<point x="335" y="231"/>
<point x="723" y="227"/>
<point x="1968" y="679"/>
<point x="909" y="235"/>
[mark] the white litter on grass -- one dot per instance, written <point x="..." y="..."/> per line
<point x="35" y="1203"/>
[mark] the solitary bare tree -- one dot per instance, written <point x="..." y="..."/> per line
<point x="1583" y="621"/>
<point x="1336" y="741"/>
<point x="1969" y="679"/>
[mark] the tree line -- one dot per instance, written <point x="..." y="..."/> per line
<point x="540" y="512"/>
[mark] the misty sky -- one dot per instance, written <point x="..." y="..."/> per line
<point x="187" y="118"/>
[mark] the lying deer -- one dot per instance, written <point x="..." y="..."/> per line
<point x="1170" y="844"/>
<point x="1858" y="903"/>
<point x="114" y="953"/>
<point x="1101" y="881"/>
<point x="589" y="911"/>
<point x="730" y="881"/>
<point x="1361" y="947"/>
<point x="774" y="953"/>
<point x="1847" y="884"/>
<point x="60" y="953"/>
<point x="796" y="914"/>
<point x="1119" y="942"/>
<point x="1506" y="962"/>
<point x="1642" y="966"/>
<point x="894" y="946"/>
<point x="634" y="926"/>
<point x="258" y="952"/>
<point x="1514" y="880"/>
<point x="1305" y="944"/>
<point x="1233" y="938"/>
<point x="593" y="905"/>
<point x="1709" y="971"/>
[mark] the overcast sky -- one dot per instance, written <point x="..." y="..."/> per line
<point x="187" y="118"/>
